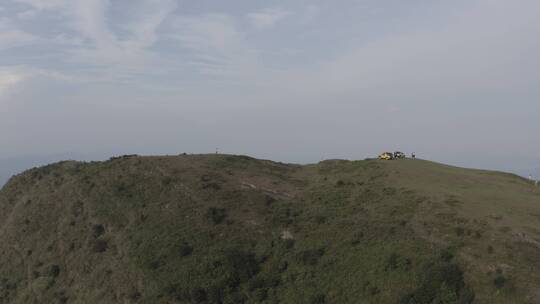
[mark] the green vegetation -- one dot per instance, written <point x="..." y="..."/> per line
<point x="216" y="215"/>
<point x="233" y="229"/>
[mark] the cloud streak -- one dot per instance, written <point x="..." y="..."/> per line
<point x="9" y="78"/>
<point x="94" y="43"/>
<point x="12" y="37"/>
<point x="267" y="18"/>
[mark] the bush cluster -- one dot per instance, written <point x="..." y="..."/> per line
<point x="100" y="246"/>
<point x="311" y="257"/>
<point x="442" y="283"/>
<point x="216" y="215"/>
<point x="236" y="277"/>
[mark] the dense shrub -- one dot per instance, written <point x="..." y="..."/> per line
<point x="216" y="294"/>
<point x="286" y="244"/>
<point x="320" y="219"/>
<point x="54" y="271"/>
<point x="374" y="290"/>
<point x="198" y="295"/>
<point x="100" y="246"/>
<point x="284" y="216"/>
<point x="392" y="262"/>
<point x="395" y="261"/>
<point x="240" y="266"/>
<point x="357" y="238"/>
<point x="311" y="257"/>
<point x="61" y="297"/>
<point x="442" y="281"/>
<point x="317" y="298"/>
<point x="260" y="294"/>
<point x="212" y="186"/>
<point x="389" y="191"/>
<point x="216" y="215"/>
<point x="98" y="230"/>
<point x="7" y="290"/>
<point x="155" y="264"/>
<point x="467" y="295"/>
<point x="499" y="281"/>
<point x="234" y="277"/>
<point x="185" y="249"/>
<point x="447" y="255"/>
<point x="258" y="287"/>
<point x="269" y="200"/>
<point x="135" y="296"/>
<point x="167" y="180"/>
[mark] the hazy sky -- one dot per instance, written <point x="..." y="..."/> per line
<point x="298" y="80"/>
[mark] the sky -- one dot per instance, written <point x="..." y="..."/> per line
<point x="294" y="81"/>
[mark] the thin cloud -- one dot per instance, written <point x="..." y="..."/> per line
<point x="213" y="43"/>
<point x="207" y="32"/>
<point x="44" y="4"/>
<point x="28" y="14"/>
<point x="12" y="77"/>
<point x="9" y="78"/>
<point x="11" y="37"/>
<point x="109" y="49"/>
<point x="267" y="18"/>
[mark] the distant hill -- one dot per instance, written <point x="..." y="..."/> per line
<point x="233" y="229"/>
<point x="14" y="165"/>
<point x="10" y="167"/>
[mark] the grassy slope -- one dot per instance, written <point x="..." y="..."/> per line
<point x="499" y="214"/>
<point x="231" y="229"/>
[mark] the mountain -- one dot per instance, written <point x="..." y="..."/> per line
<point x="234" y="229"/>
<point x="13" y="165"/>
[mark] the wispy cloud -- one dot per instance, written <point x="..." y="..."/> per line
<point x="28" y="14"/>
<point x="105" y="47"/>
<point x="213" y="43"/>
<point x="267" y="18"/>
<point x="11" y="37"/>
<point x="44" y="4"/>
<point x="96" y="43"/>
<point x="207" y="32"/>
<point x="9" y="78"/>
<point x="13" y="76"/>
